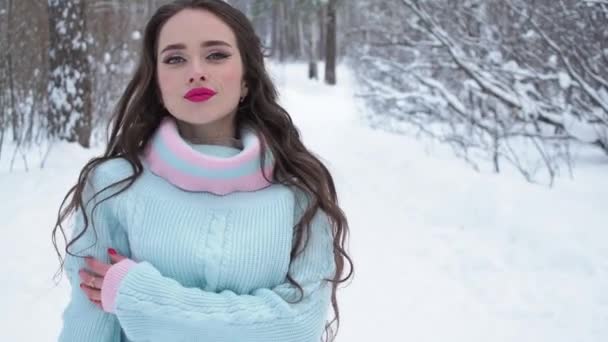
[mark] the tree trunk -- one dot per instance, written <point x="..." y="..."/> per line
<point x="283" y="31"/>
<point x="322" y="20"/>
<point x="330" y="49"/>
<point x="69" y="74"/>
<point x="300" y="40"/>
<point x="151" y="7"/>
<point x="275" y="29"/>
<point x="14" y="115"/>
<point x="312" y="48"/>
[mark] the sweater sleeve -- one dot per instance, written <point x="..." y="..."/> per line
<point x="82" y="320"/>
<point x="151" y="307"/>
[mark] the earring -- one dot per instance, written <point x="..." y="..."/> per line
<point x="241" y="99"/>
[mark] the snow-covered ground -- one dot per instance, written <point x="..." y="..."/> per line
<point x="441" y="253"/>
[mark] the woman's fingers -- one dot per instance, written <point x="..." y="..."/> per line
<point x="93" y="294"/>
<point x="114" y="256"/>
<point x="91" y="283"/>
<point x="97" y="267"/>
<point x="92" y="277"/>
<point x="90" y="280"/>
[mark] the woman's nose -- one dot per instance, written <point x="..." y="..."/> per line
<point x="201" y="77"/>
<point x="197" y="73"/>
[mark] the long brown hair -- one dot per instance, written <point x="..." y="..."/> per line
<point x="139" y="113"/>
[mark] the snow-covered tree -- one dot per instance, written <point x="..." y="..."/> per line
<point x="22" y="73"/>
<point x="62" y="66"/>
<point x="498" y="80"/>
<point x="69" y="72"/>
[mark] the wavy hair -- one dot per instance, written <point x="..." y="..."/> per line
<point x="139" y="112"/>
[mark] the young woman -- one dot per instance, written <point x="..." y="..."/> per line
<point x="206" y="219"/>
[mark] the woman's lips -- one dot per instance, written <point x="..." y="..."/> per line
<point x="199" y="94"/>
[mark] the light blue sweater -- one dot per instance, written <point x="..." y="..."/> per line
<point x="210" y="267"/>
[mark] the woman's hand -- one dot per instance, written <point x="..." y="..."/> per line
<point x="92" y="277"/>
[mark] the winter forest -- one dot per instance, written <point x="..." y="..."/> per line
<point x="468" y="140"/>
<point x="505" y="82"/>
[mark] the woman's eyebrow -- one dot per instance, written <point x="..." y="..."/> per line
<point x="205" y="44"/>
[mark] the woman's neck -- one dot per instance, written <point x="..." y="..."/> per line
<point x="221" y="141"/>
<point x="221" y="132"/>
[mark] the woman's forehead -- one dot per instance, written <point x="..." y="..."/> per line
<point x="193" y="27"/>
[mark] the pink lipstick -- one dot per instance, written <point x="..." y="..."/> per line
<point x="199" y="94"/>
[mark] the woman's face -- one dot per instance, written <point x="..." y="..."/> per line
<point x="199" y="66"/>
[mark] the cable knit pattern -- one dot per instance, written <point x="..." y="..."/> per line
<point x="209" y="267"/>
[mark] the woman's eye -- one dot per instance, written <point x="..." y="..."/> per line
<point x="216" y="56"/>
<point x="173" y="60"/>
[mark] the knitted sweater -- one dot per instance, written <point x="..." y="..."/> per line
<point x="208" y="267"/>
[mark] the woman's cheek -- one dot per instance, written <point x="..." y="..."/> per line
<point x="165" y="82"/>
<point x="233" y="73"/>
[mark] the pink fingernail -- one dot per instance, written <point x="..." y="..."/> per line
<point x="112" y="251"/>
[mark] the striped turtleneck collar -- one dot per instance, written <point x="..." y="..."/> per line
<point x="211" y="168"/>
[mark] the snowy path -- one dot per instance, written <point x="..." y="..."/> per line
<point x="446" y="254"/>
<point x="441" y="253"/>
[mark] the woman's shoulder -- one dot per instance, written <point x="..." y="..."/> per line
<point x="110" y="171"/>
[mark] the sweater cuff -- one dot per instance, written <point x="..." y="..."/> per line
<point x="111" y="283"/>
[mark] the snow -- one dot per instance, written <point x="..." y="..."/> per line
<point x="603" y="93"/>
<point x="78" y="41"/>
<point x="564" y="79"/>
<point x="495" y="56"/>
<point x="552" y="60"/>
<point x="136" y="35"/>
<point x="58" y="97"/>
<point x="530" y="34"/>
<point x="60" y="26"/>
<point x="70" y="85"/>
<point x="442" y="253"/>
